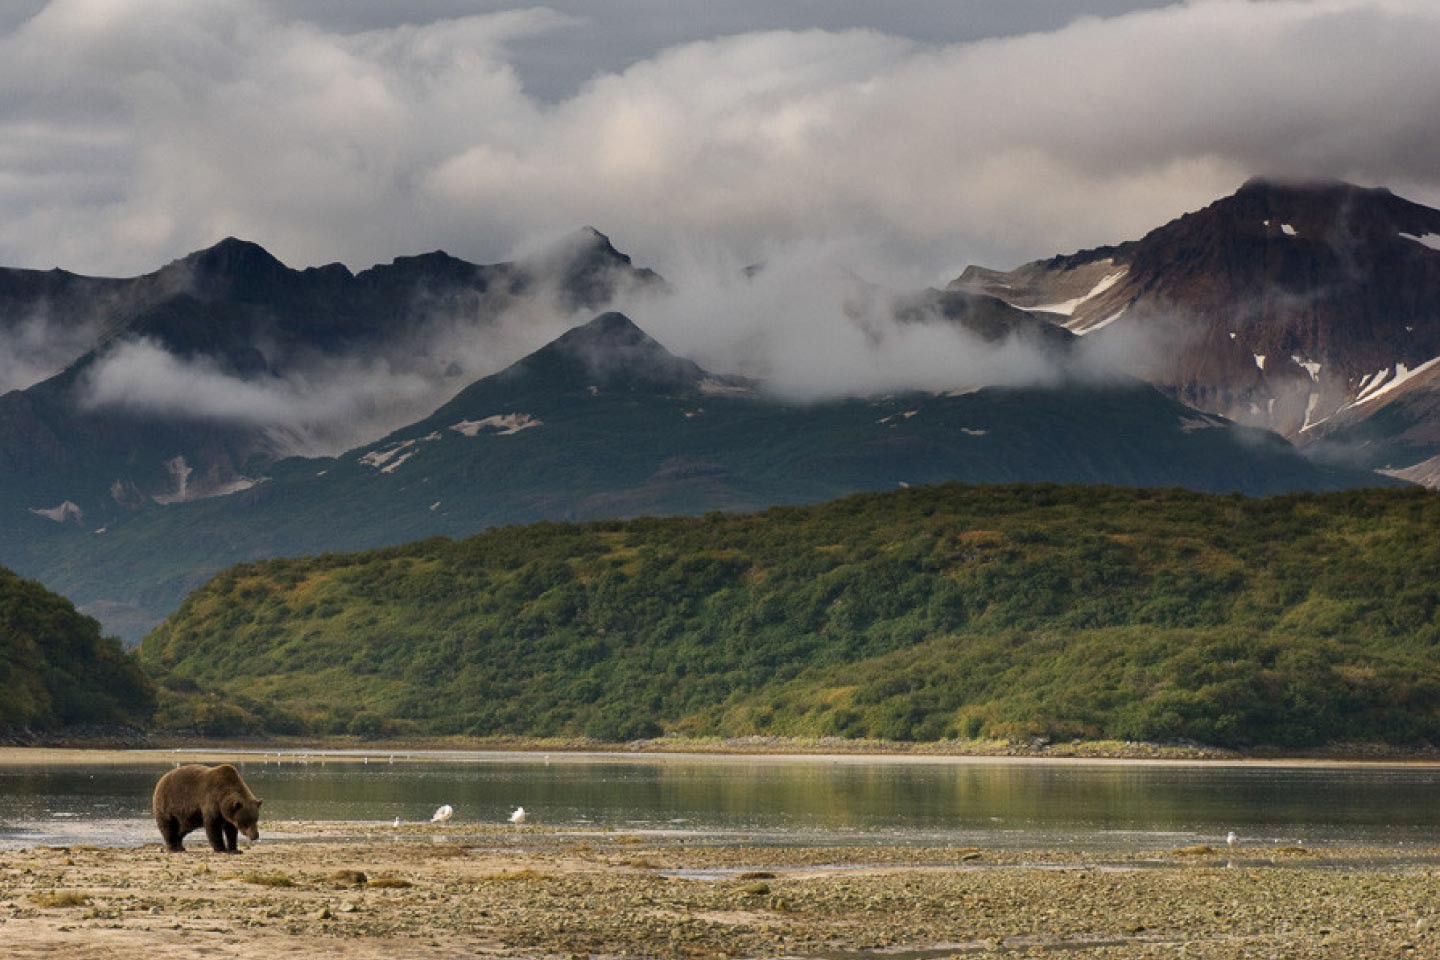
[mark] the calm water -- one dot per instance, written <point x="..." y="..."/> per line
<point x="1101" y="807"/>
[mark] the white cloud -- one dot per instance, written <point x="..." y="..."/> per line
<point x="135" y="131"/>
<point x="142" y="376"/>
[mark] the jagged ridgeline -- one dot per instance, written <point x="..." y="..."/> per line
<point x="56" y="670"/>
<point x="915" y="615"/>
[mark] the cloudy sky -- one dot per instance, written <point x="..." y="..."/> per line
<point x="911" y="136"/>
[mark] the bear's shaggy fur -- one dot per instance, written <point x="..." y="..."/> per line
<point x="211" y="797"/>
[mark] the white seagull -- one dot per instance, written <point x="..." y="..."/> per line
<point x="518" y="816"/>
<point x="397" y="821"/>
<point x="443" y="814"/>
<point x="1231" y="839"/>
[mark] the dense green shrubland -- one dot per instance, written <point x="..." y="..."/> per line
<point x="921" y="614"/>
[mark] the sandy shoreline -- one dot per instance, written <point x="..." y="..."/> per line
<point x="427" y="891"/>
<point x="79" y="756"/>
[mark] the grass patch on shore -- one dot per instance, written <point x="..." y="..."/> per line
<point x="269" y="879"/>
<point x="389" y="883"/>
<point x="55" y="899"/>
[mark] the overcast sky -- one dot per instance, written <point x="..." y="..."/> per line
<point x="909" y="137"/>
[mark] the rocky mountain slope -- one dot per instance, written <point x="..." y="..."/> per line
<point x="1312" y="309"/>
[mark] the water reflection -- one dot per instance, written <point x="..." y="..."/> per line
<point x="1130" y="806"/>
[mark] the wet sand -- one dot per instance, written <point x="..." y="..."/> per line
<point x="462" y="890"/>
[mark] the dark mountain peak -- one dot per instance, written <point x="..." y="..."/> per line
<point x="608" y="331"/>
<point x="232" y="268"/>
<point x="1332" y="211"/>
<point x="607" y="356"/>
<point x="588" y="241"/>
<point x="586" y="247"/>
<point x="433" y="259"/>
<point x="590" y="234"/>
<point x="589" y="270"/>
<point x="437" y="265"/>
<point x="1316" y="188"/>
<point x="233" y="255"/>
<point x="330" y="273"/>
<point x="611" y="350"/>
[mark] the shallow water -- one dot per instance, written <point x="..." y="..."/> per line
<point x="1114" y="807"/>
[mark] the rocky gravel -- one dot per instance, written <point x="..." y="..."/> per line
<point x="423" y="891"/>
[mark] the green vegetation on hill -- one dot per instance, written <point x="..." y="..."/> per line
<point x="57" y="670"/>
<point x="920" y="614"/>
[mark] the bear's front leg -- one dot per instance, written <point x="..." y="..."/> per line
<point x="214" y="833"/>
<point x="170" y="831"/>
<point x="231" y="835"/>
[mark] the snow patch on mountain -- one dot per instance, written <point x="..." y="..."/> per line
<point x="714" y="386"/>
<point x="1098" y="325"/>
<point x="1431" y="240"/>
<point x="186" y="490"/>
<point x="61" y="513"/>
<point x="1370" y="381"/>
<point x="180" y="471"/>
<point x="379" y="458"/>
<point x="502" y="424"/>
<point x="1312" y="367"/>
<point x="1068" y="307"/>
<point x="1310" y="405"/>
<point x="399" y="461"/>
<point x="1201" y="421"/>
<point x="1402" y="374"/>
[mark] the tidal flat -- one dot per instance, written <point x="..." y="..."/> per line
<point x="347" y="890"/>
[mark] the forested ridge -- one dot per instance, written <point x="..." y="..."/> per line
<point x="923" y="614"/>
<point x="56" y="670"/>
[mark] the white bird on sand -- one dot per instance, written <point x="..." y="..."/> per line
<point x="518" y="816"/>
<point x="397" y="821"/>
<point x="1231" y="839"/>
<point x="443" y="814"/>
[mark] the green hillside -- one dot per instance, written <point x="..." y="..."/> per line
<point x="55" y="668"/>
<point x="919" y="614"/>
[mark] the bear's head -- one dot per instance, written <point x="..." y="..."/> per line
<point x="244" y="812"/>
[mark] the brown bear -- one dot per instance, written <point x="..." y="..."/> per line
<point x="213" y="797"/>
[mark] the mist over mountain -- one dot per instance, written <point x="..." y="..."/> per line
<point x="186" y="382"/>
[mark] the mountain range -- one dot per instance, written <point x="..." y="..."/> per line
<point x="121" y="490"/>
